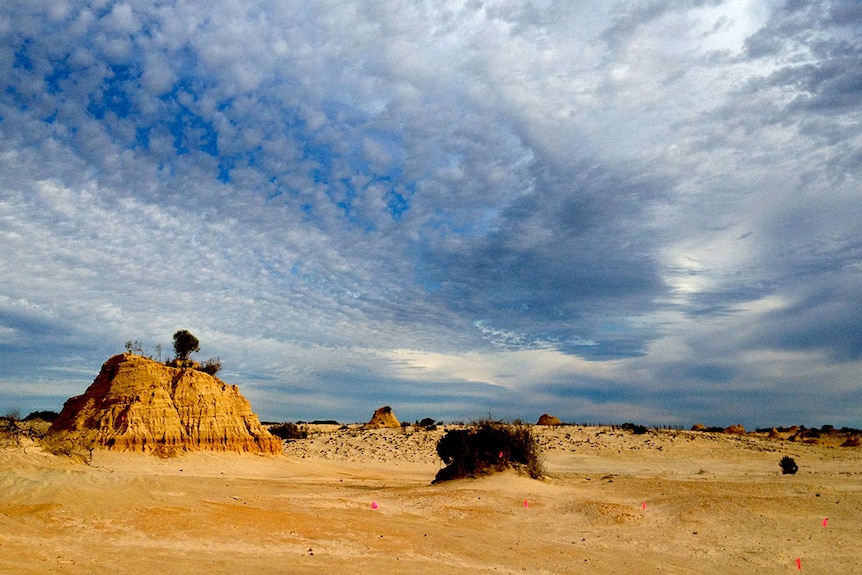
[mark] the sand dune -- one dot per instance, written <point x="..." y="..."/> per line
<point x="612" y="502"/>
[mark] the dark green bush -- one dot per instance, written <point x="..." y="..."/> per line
<point x="185" y="344"/>
<point x="48" y="416"/>
<point x="288" y="431"/>
<point x="486" y="447"/>
<point x="788" y="466"/>
<point x="635" y="429"/>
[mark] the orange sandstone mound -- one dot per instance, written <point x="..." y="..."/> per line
<point x="383" y="418"/>
<point x="546" y="419"/>
<point x="137" y="404"/>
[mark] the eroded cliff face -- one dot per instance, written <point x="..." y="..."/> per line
<point x="137" y="404"/>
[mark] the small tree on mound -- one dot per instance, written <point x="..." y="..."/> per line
<point x="185" y="344"/>
<point x="487" y="447"/>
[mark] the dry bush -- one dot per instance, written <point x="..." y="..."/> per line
<point x="211" y="366"/>
<point x="10" y="432"/>
<point x="14" y="432"/>
<point x="486" y="447"/>
<point x="75" y="445"/>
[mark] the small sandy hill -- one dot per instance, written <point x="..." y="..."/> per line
<point x="382" y="418"/>
<point x="137" y="404"/>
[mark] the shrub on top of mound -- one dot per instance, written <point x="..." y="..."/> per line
<point x="486" y="447"/>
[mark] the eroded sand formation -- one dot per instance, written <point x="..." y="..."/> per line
<point x="137" y="404"/>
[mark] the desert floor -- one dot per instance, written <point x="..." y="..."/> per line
<point x="612" y="502"/>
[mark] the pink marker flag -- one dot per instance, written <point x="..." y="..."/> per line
<point x="799" y="564"/>
<point x="643" y="505"/>
<point x="373" y="505"/>
<point x="526" y="504"/>
<point x="825" y="521"/>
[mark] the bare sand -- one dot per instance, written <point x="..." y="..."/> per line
<point x="612" y="502"/>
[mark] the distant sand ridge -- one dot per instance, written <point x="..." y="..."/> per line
<point x="137" y="404"/>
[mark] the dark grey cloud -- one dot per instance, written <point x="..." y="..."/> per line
<point x="563" y="263"/>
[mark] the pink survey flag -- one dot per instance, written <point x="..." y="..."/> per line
<point x="526" y="504"/>
<point x="643" y="505"/>
<point x="373" y="505"/>
<point x="825" y="521"/>
<point x="799" y="564"/>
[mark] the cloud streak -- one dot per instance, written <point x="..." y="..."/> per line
<point x="625" y="210"/>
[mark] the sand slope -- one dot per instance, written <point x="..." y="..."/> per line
<point x="714" y="504"/>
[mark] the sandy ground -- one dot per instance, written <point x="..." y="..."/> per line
<point x="612" y="502"/>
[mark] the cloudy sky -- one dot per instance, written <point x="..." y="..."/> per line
<point x="610" y="211"/>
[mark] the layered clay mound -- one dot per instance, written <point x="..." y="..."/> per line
<point x="137" y="404"/>
<point x="383" y="417"/>
<point x="546" y="419"/>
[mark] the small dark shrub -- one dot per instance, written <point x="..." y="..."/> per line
<point x="788" y="465"/>
<point x="635" y="429"/>
<point x="48" y="416"/>
<point x="288" y="431"/>
<point x="852" y="441"/>
<point x="486" y="447"/>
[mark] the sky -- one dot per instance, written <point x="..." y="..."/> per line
<point x="610" y="211"/>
